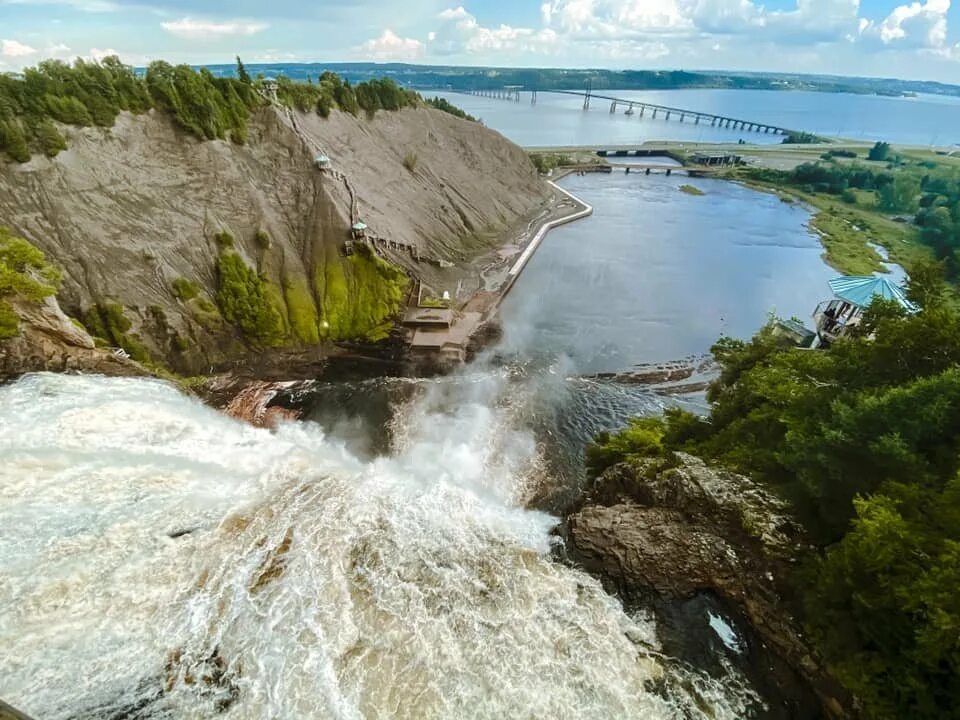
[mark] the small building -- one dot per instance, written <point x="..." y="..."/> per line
<point x="270" y="86"/>
<point x="794" y="331"/>
<point x="322" y="162"/>
<point x="713" y="159"/>
<point x="358" y="230"/>
<point x="428" y="317"/>
<point x="852" y="295"/>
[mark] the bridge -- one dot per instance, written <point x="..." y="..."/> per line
<point x="637" y="107"/>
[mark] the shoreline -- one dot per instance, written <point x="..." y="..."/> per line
<point x="518" y="266"/>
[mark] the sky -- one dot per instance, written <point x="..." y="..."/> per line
<point x="879" y="38"/>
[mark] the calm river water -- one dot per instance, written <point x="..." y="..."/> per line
<point x="560" y="120"/>
<point x="656" y="274"/>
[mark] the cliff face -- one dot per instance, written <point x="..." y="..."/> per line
<point x="130" y="214"/>
<point x="695" y="530"/>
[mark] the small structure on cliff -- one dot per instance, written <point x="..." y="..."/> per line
<point x="359" y="230"/>
<point x="322" y="162"/>
<point x="853" y="294"/>
<point x="270" y="86"/>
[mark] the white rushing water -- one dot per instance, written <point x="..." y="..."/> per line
<point x="160" y="560"/>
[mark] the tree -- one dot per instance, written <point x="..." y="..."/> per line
<point x="24" y="274"/>
<point x="242" y="75"/>
<point x="51" y="141"/>
<point x="880" y="151"/>
<point x="902" y="195"/>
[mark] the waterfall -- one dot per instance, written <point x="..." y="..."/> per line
<point x="162" y="560"/>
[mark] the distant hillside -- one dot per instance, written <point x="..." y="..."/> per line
<point x="438" y="77"/>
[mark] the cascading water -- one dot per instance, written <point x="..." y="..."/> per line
<point x="161" y="560"/>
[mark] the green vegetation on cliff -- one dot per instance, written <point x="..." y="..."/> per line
<point x="93" y="93"/>
<point x="246" y="302"/>
<point x="24" y="274"/>
<point x="359" y="295"/>
<point x="301" y="310"/>
<point x="863" y="440"/>
<point x="108" y="322"/>
<point x="446" y="106"/>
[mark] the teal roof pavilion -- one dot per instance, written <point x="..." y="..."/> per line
<point x="860" y="290"/>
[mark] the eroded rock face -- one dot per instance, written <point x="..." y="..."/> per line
<point x="48" y="340"/>
<point x="693" y="529"/>
<point x="128" y="211"/>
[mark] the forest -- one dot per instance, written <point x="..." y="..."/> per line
<point x="862" y="440"/>
<point x="210" y="107"/>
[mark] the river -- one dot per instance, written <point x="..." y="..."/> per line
<point x="560" y="120"/>
<point x="394" y="558"/>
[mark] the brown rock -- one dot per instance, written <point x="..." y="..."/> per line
<point x="690" y="529"/>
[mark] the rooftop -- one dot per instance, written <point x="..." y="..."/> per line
<point x="860" y="290"/>
<point x="428" y="316"/>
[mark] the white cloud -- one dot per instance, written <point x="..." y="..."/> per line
<point x="461" y="33"/>
<point x="99" y="54"/>
<point x="809" y="21"/>
<point x="211" y="30"/>
<point x="14" y="49"/>
<point x="390" y="46"/>
<point x="917" y="25"/>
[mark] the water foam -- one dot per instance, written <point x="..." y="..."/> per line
<point x="162" y="560"/>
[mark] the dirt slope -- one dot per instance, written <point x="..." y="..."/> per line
<point x="127" y="211"/>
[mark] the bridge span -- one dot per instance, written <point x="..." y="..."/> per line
<point x="637" y="107"/>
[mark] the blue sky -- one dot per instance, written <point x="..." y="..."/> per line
<point x="887" y="38"/>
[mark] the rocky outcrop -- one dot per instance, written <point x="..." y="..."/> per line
<point x="688" y="529"/>
<point x="127" y="212"/>
<point x="49" y="340"/>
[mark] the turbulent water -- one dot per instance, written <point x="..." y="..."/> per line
<point x="161" y="560"/>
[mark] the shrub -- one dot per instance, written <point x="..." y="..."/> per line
<point x="801" y="138"/>
<point x="185" y="290"/>
<point x="24" y="274"/>
<point x="50" y="139"/>
<point x="108" y="322"/>
<point x="244" y="301"/>
<point x="849" y="196"/>
<point x="410" y="161"/>
<point x="879" y="152"/>
<point x="262" y="240"/>
<point x="13" y="141"/>
<point x="224" y="240"/>
<point x="9" y="322"/>
<point x="642" y="438"/>
<point x="440" y="103"/>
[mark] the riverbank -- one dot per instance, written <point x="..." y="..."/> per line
<point x="443" y="337"/>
